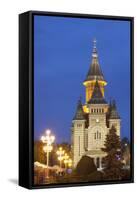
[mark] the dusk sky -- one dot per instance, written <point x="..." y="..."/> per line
<point x="62" y="56"/>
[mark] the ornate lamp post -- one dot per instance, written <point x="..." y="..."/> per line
<point x="60" y="154"/>
<point x="66" y="157"/>
<point x="48" y="140"/>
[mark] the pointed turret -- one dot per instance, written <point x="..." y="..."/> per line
<point x="113" y="111"/>
<point x="97" y="97"/>
<point x="79" y="115"/>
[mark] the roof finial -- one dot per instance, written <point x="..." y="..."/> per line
<point x="94" y="43"/>
<point x="94" y="48"/>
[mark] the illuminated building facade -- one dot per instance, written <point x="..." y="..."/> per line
<point x="93" y="120"/>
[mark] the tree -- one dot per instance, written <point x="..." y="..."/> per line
<point x="85" y="166"/>
<point x="125" y="148"/>
<point x="39" y="154"/>
<point x="113" y="160"/>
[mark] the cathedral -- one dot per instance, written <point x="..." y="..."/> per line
<point x="92" y="121"/>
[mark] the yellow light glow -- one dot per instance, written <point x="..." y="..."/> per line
<point x="69" y="162"/>
<point x="47" y="148"/>
<point x="60" y="151"/>
<point x="90" y="87"/>
<point x="85" y="109"/>
<point x="94" y="81"/>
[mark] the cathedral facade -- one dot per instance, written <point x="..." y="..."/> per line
<point x="93" y="120"/>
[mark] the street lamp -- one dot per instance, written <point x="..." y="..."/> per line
<point x="60" y="154"/>
<point x="69" y="163"/>
<point x="66" y="157"/>
<point x="47" y="139"/>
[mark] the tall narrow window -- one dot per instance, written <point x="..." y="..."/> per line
<point x="79" y="145"/>
<point x="95" y="136"/>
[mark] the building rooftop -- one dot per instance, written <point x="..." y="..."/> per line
<point x="79" y="115"/>
<point x="95" y="71"/>
<point x="113" y="111"/>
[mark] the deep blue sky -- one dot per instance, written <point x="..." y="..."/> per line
<point x="62" y="55"/>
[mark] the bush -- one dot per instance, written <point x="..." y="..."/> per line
<point x="95" y="176"/>
<point x="85" y="166"/>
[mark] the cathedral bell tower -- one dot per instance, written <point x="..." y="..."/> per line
<point x="93" y="74"/>
<point x="93" y="120"/>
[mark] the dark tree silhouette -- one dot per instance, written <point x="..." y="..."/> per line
<point x="86" y="166"/>
<point x="113" y="160"/>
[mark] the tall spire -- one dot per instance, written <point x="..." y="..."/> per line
<point x="95" y="70"/>
<point x="97" y="97"/>
<point x="94" y="74"/>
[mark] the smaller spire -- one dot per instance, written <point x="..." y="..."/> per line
<point x="113" y="111"/>
<point x="114" y="104"/>
<point x="80" y="98"/>
<point x="110" y="103"/>
<point x="79" y="115"/>
<point x="97" y="97"/>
